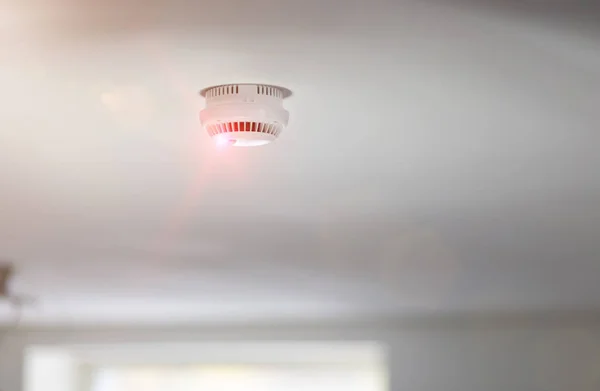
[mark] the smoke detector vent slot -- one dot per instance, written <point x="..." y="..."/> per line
<point x="269" y="91"/>
<point x="244" y="114"/>
<point x="222" y="90"/>
<point x="253" y="127"/>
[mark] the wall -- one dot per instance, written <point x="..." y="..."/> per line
<point x="515" y="355"/>
<point x="55" y="370"/>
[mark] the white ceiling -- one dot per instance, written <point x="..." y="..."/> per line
<point x="441" y="158"/>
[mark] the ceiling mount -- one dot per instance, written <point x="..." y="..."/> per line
<point x="244" y="115"/>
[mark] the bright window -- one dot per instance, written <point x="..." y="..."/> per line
<point x="327" y="370"/>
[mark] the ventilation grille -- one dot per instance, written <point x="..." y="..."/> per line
<point x="269" y="91"/>
<point x="232" y="89"/>
<point x="254" y="127"/>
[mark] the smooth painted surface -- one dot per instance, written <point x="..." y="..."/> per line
<point x="49" y="370"/>
<point x="442" y="157"/>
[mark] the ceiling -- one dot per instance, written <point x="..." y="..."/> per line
<point x="441" y="158"/>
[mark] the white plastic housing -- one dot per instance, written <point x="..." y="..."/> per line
<point x="244" y="114"/>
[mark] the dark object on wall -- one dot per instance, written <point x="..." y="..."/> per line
<point x="6" y="272"/>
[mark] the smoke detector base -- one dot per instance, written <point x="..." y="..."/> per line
<point x="244" y="115"/>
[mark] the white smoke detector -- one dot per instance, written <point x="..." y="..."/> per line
<point x="244" y="115"/>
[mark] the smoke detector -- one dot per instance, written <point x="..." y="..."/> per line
<point x="244" y="115"/>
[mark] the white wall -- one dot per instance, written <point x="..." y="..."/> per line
<point x="54" y="370"/>
<point x="440" y="356"/>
